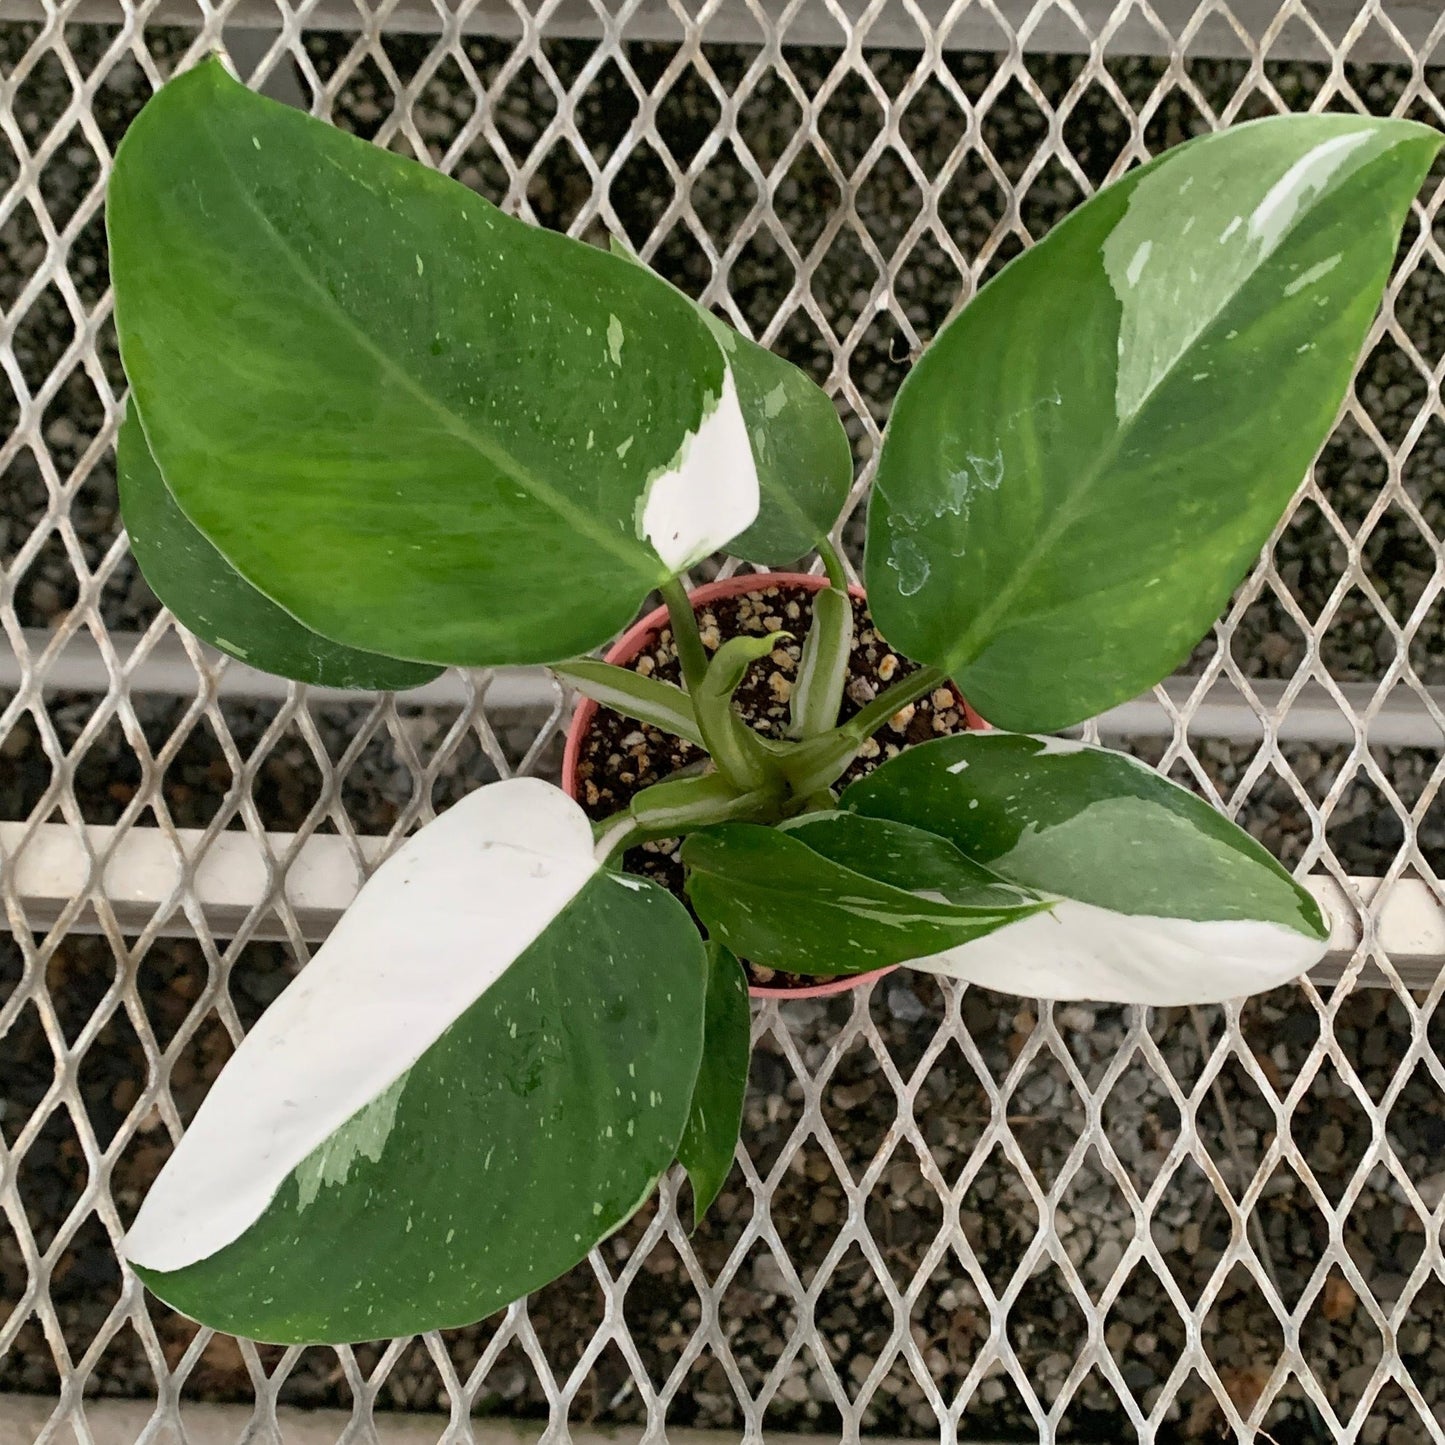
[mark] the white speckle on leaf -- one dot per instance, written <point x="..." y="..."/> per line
<point x="615" y="338"/>
<point x="959" y="766"/>
<point x="1137" y="262"/>
<point x="775" y="400"/>
<point x="624" y="448"/>
<point x="1315" y="273"/>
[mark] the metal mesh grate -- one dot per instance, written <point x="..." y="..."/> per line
<point x="954" y="1213"/>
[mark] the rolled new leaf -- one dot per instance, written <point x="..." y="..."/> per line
<point x="481" y="1073"/>
<point x="823" y="668"/>
<point x="211" y="598"/>
<point x="711" y="1137"/>
<point x="1088" y="458"/>
<point x="774" y="897"/>
<point x="1157" y="898"/>
<point x="802" y="453"/>
<point x="737" y="749"/>
<point x="419" y="425"/>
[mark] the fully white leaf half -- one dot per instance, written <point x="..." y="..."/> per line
<point x="1159" y="898"/>
<point x="482" y="1072"/>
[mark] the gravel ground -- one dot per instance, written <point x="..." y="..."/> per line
<point x="999" y="1216"/>
<point x="292" y="781"/>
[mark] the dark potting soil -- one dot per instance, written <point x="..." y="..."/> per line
<point x="620" y="757"/>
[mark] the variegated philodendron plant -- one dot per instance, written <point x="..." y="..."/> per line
<point x="377" y="427"/>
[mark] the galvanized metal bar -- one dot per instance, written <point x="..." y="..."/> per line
<point x="1066" y="29"/>
<point x="234" y="881"/>
<point x="1406" y="717"/>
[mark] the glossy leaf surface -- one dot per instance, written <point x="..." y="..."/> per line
<point x="646" y="699"/>
<point x="711" y="1137"/>
<point x="1086" y="461"/>
<point x="1161" y="899"/>
<point x="211" y="598"/>
<point x="804" y="460"/>
<point x="803" y="457"/>
<point x="773" y="898"/>
<point x="417" y="424"/>
<point x="480" y="1074"/>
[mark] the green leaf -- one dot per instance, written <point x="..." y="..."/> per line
<point x="715" y="1119"/>
<point x="905" y="857"/>
<point x="645" y="699"/>
<point x="678" y="804"/>
<point x="418" y="425"/>
<point x="823" y="670"/>
<point x="802" y="453"/>
<point x="208" y="596"/>
<point x="1159" y="899"/>
<point x="1089" y="457"/>
<point x="482" y="1073"/>
<point x="771" y="896"/>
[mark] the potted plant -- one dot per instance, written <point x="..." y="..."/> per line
<point x="377" y="427"/>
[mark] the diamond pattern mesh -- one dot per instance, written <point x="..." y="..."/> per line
<point x="954" y="1213"/>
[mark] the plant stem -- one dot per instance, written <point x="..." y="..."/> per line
<point x="821" y="761"/>
<point x="614" y="835"/>
<point x="867" y="720"/>
<point x="833" y="565"/>
<point x="691" y="655"/>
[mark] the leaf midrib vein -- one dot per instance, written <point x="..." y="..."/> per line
<point x="452" y="422"/>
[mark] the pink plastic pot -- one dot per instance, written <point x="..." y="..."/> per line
<point x="641" y="635"/>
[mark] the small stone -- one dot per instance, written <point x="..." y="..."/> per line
<point x="711" y="638"/>
<point x="824" y="1210"/>
<point x="941" y="698"/>
<point x="870" y="748"/>
<point x="900" y="720"/>
<point x="861" y="691"/>
<point x="887" y="666"/>
<point x="44" y="596"/>
<point x="903" y="1003"/>
<point x="645" y="666"/>
<point x="16" y="742"/>
<point x="1338" y="1299"/>
<point x="782" y="687"/>
<point x="1432" y="1190"/>
<point x="768" y="1275"/>
<point x="1106" y="1261"/>
<point x="794" y="1388"/>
